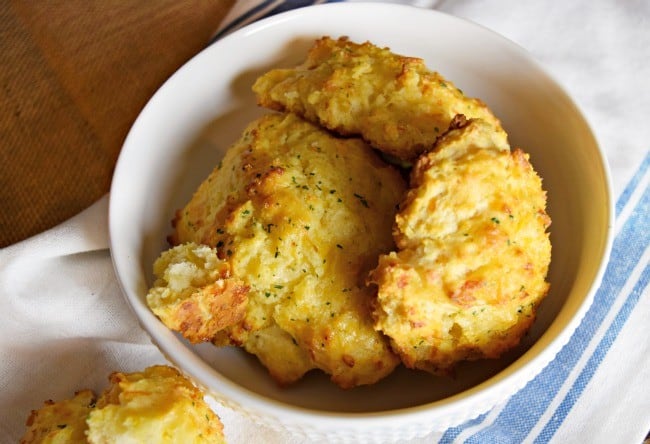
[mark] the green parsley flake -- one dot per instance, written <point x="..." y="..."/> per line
<point x="362" y="199"/>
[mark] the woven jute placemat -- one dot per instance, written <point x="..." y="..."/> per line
<point x="75" y="74"/>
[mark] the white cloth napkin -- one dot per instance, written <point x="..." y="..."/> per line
<point x="64" y="324"/>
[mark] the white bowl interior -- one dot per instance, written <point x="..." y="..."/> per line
<point x="190" y="122"/>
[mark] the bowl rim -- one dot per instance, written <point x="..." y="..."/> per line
<point x="478" y="398"/>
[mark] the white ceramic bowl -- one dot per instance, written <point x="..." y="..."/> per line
<point x="189" y="123"/>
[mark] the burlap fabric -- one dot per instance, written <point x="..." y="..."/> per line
<point x="74" y="75"/>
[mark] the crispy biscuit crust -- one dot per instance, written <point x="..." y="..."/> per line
<point x="473" y="254"/>
<point x="301" y="216"/>
<point x="60" y="422"/>
<point x="394" y="102"/>
<point x="194" y="293"/>
<point x="157" y="405"/>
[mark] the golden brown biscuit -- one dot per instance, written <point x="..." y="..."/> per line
<point x="473" y="253"/>
<point x="62" y="422"/>
<point x="194" y="293"/>
<point x="395" y="103"/>
<point x="301" y="216"/>
<point x="155" y="406"/>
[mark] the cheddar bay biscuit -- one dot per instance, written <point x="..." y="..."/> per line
<point x="301" y="216"/>
<point x="62" y="422"/>
<point x="473" y="253"/>
<point x="157" y="406"/>
<point x="395" y="103"/>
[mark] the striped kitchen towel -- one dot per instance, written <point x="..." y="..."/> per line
<point x="247" y="11"/>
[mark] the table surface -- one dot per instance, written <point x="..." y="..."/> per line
<point x="74" y="77"/>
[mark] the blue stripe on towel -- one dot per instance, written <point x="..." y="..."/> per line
<point x="241" y="19"/>
<point x="452" y="433"/>
<point x="289" y="5"/>
<point x="585" y="376"/>
<point x="281" y="7"/>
